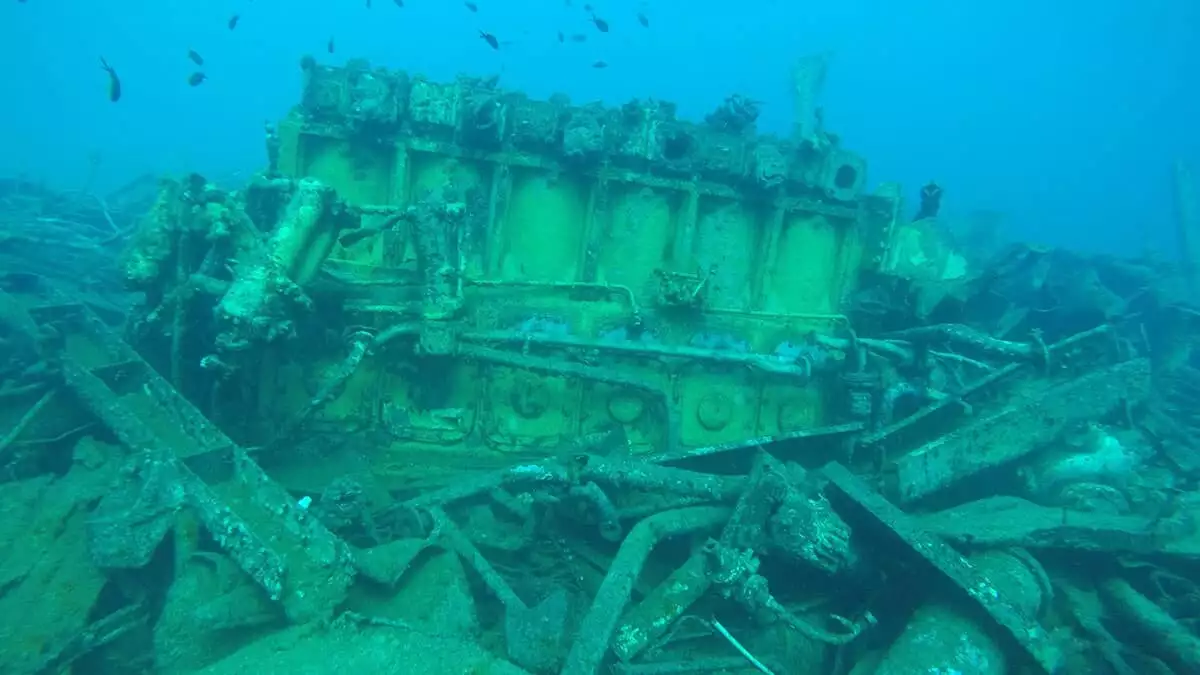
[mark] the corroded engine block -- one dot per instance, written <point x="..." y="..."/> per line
<point x="521" y="272"/>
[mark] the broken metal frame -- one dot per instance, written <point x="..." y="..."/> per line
<point x="727" y="565"/>
<point x="1020" y="428"/>
<point x="880" y="439"/>
<point x="723" y="564"/>
<point x="871" y="510"/>
<point x="305" y="567"/>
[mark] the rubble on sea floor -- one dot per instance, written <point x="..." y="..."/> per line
<point x="435" y="461"/>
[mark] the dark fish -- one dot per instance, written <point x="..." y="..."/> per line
<point x="195" y="57"/>
<point x="233" y="21"/>
<point x="643" y="20"/>
<point x="490" y="39"/>
<point x="114" y="82"/>
<point x="329" y="46"/>
<point x="601" y="24"/>
<point x="196" y="79"/>
<point x="399" y="3"/>
<point x="599" y="64"/>
<point x="561" y="37"/>
<point x="368" y="4"/>
<point x="471" y="6"/>
<point x="587" y="7"/>
<point x="578" y="37"/>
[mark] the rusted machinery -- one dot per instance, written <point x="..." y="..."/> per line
<point x="468" y="382"/>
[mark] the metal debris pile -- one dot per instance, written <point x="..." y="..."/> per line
<point x="1009" y="484"/>
<point x="967" y="517"/>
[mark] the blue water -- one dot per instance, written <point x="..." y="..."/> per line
<point x="1065" y="119"/>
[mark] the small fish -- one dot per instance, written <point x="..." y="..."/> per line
<point x="490" y="39"/>
<point x="561" y="37"/>
<point x="471" y="6"/>
<point x="601" y="24"/>
<point x="643" y="20"/>
<point x="399" y="3"/>
<point x="329" y="46"/>
<point x="368" y="4"/>
<point x="587" y="8"/>
<point x="578" y="37"/>
<point x="195" y="57"/>
<point x="196" y="79"/>
<point x="233" y="21"/>
<point x="114" y="82"/>
<point x="599" y="64"/>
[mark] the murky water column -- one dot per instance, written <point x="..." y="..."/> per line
<point x="1188" y="226"/>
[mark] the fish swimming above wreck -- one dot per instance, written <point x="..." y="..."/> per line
<point x="469" y="381"/>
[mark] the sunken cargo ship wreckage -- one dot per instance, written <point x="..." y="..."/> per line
<point x="468" y="382"/>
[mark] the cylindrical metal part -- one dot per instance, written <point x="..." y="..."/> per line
<point x="650" y="620"/>
<point x="596" y="630"/>
<point x="1162" y="634"/>
<point x="943" y="636"/>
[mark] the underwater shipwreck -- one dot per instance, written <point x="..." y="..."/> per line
<point x="466" y="382"/>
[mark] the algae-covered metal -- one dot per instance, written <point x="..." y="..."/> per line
<point x="446" y="316"/>
<point x="591" y="266"/>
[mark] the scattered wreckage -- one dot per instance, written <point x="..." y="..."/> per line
<point x="471" y="383"/>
